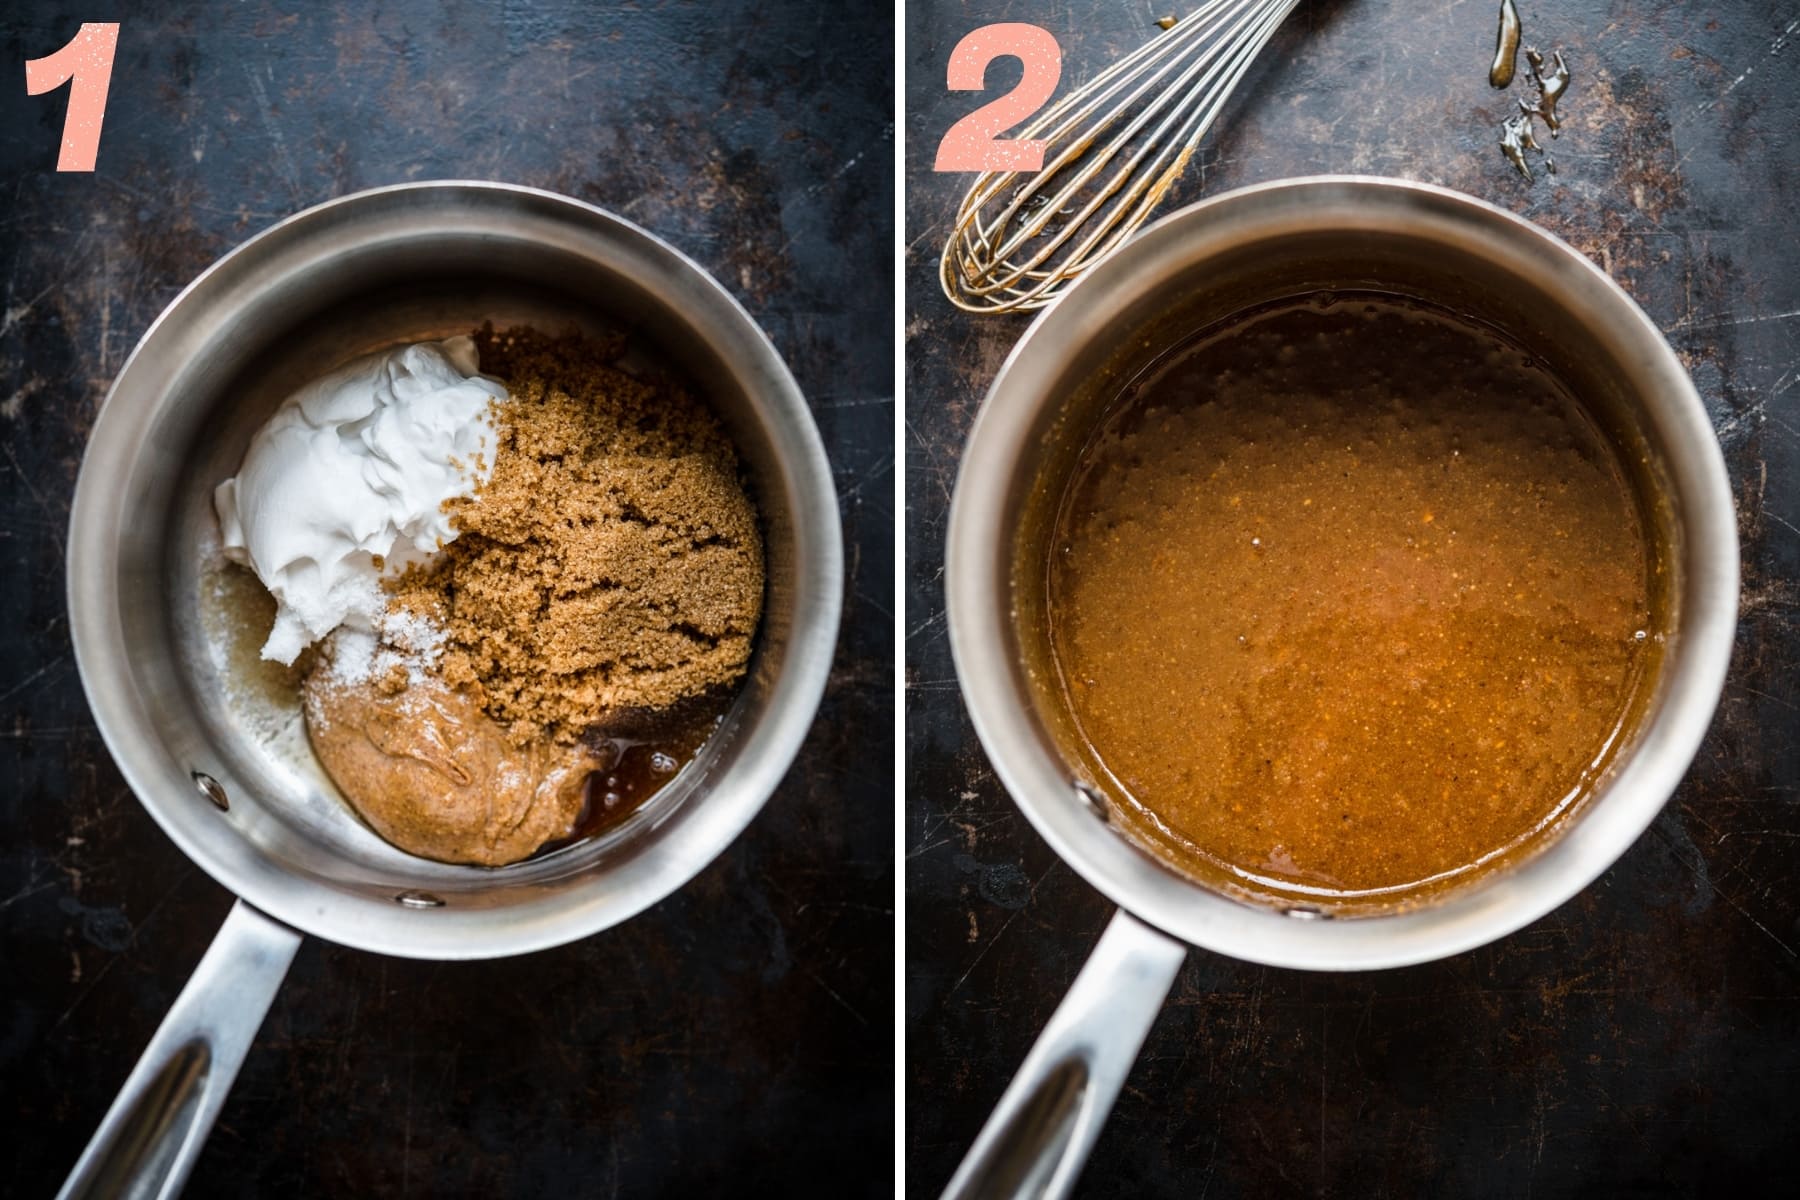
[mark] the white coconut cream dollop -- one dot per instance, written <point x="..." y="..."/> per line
<point x="347" y="482"/>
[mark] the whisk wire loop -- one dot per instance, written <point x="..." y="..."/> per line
<point x="1020" y="239"/>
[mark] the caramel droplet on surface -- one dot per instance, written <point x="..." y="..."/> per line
<point x="1516" y="137"/>
<point x="1550" y="88"/>
<point x="1506" y="46"/>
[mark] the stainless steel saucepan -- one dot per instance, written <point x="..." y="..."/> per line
<point x="1192" y="268"/>
<point x="230" y="780"/>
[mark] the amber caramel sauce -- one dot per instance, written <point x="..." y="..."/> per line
<point x="1348" y="597"/>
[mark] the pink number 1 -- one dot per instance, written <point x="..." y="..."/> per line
<point x="86" y="60"/>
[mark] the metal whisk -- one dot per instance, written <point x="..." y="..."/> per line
<point x="1019" y="245"/>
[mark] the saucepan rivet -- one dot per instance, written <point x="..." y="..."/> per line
<point x="1306" y="912"/>
<point x="1094" y="799"/>
<point x="213" y="790"/>
<point x="418" y="900"/>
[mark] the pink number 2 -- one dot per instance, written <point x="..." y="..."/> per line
<point x="86" y="60"/>
<point x="974" y="143"/>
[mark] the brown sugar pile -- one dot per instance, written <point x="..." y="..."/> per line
<point x="612" y="560"/>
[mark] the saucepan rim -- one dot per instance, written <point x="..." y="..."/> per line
<point x="980" y="607"/>
<point x="552" y="917"/>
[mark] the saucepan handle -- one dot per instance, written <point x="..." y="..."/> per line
<point x="1038" y="1139"/>
<point x="153" y="1132"/>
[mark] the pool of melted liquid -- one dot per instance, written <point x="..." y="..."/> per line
<point x="642" y="751"/>
<point x="1348" y="597"/>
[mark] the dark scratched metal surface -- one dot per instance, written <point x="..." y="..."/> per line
<point x="736" y="1038"/>
<point x="1645" y="1038"/>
